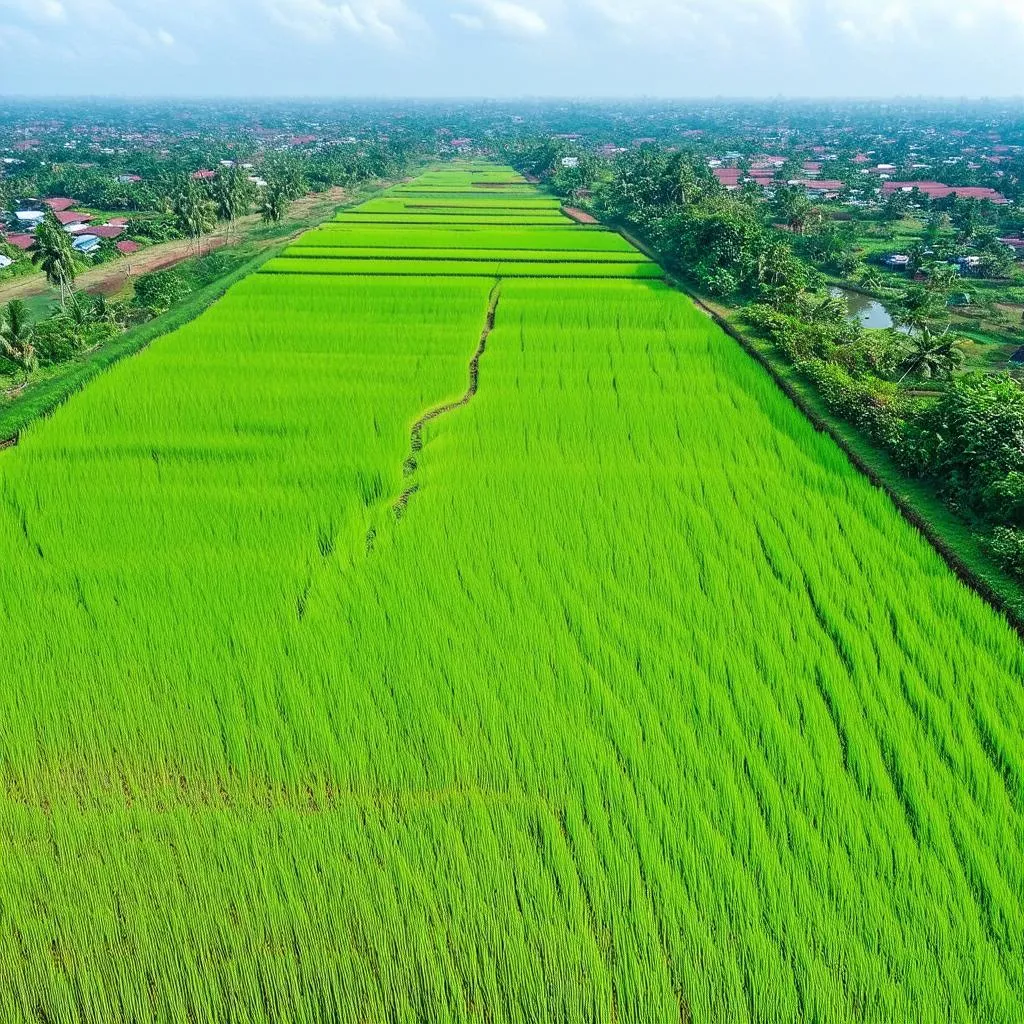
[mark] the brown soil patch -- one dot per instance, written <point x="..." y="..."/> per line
<point x="578" y="215"/>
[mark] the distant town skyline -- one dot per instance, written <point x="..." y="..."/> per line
<point x="505" y="48"/>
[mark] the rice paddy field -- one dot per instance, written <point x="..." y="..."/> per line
<point x="440" y="629"/>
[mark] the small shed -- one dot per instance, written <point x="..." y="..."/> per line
<point x="86" y="244"/>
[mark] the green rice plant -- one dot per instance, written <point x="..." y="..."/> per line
<point x="490" y="255"/>
<point x="566" y="238"/>
<point x="648" y="707"/>
<point x="458" y="268"/>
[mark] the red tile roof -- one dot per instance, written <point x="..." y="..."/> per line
<point x="20" y="241"/>
<point x="59" y="205"/>
<point x="67" y="217"/>
<point x="106" y="230"/>
<point x="936" y="190"/>
<point x="128" y="247"/>
<point x="204" y="175"/>
<point x="122" y="221"/>
<point x="822" y="185"/>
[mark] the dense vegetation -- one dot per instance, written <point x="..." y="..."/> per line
<point x="646" y="706"/>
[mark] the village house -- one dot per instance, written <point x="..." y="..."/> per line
<point x="936" y="190"/>
<point x="72" y="220"/>
<point x="86" y="243"/>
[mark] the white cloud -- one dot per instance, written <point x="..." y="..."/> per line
<point x="718" y="22"/>
<point x="36" y="10"/>
<point x="471" y="21"/>
<point x="318" y="21"/>
<point x="165" y="37"/>
<point x="504" y="16"/>
<point x="922" y="21"/>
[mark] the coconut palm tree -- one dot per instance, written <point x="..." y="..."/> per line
<point x="16" y="335"/>
<point x="232" y="196"/>
<point x="193" y="212"/>
<point x="274" y="203"/>
<point x="931" y="356"/>
<point x="54" y="255"/>
<point x="918" y="308"/>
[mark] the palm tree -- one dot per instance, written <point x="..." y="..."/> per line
<point x="16" y="335"/>
<point x="55" y="257"/>
<point x="931" y="356"/>
<point x="274" y="203"/>
<point x="193" y="212"/>
<point x="79" y="314"/>
<point x="232" y="196"/>
<point x="917" y="309"/>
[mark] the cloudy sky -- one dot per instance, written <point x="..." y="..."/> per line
<point x="500" y="48"/>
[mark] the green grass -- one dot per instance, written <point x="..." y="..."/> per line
<point x="648" y="707"/>
<point x="450" y="255"/>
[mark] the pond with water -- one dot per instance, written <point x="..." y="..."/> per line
<point x="867" y="311"/>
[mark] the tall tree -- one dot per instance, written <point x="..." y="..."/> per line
<point x="54" y="255"/>
<point x="931" y="356"/>
<point x="918" y="308"/>
<point x="232" y="196"/>
<point x="16" y="335"/>
<point x="274" y="203"/>
<point x="193" y="212"/>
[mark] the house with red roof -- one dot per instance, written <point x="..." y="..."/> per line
<point x="69" y="218"/>
<point x="937" y="190"/>
<point x="127" y="247"/>
<point x="107" y="230"/>
<point x="20" y="241"/>
<point x="60" y="204"/>
<point x="204" y="175"/>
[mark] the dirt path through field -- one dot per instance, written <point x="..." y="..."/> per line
<point x="416" y="433"/>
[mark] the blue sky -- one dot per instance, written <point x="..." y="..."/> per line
<point x="501" y="48"/>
